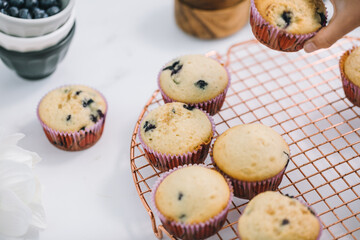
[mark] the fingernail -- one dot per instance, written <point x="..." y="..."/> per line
<point x="310" y="47"/>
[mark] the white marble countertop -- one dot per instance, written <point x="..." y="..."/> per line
<point x="118" y="48"/>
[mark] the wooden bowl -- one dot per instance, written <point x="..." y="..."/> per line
<point x="210" y="19"/>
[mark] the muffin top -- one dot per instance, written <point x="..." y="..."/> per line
<point x="193" y="79"/>
<point x="273" y="216"/>
<point x="72" y="108"/>
<point x="250" y="152"/>
<point x="192" y="194"/>
<point x="176" y="128"/>
<point x="295" y="16"/>
<point x="352" y="66"/>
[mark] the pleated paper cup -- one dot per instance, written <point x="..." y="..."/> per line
<point x="274" y="37"/>
<point x="249" y="189"/>
<point x="351" y="90"/>
<point x="191" y="231"/>
<point x="164" y="161"/>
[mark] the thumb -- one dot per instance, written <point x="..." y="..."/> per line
<point x="340" y="25"/>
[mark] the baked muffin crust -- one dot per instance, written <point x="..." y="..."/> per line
<point x="72" y="108"/>
<point x="294" y="16"/>
<point x="192" y="194"/>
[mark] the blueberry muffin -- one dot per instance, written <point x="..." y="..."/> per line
<point x="175" y="134"/>
<point x="273" y="216"/>
<point x="350" y="73"/>
<point x="286" y="25"/>
<point x="352" y="66"/>
<point x="196" y="80"/>
<point x="73" y="109"/>
<point x="192" y="195"/>
<point x="295" y="16"/>
<point x="251" y="153"/>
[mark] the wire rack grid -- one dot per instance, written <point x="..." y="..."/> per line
<point x="301" y="97"/>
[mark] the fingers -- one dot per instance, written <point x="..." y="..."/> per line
<point x="346" y="18"/>
<point x="340" y="25"/>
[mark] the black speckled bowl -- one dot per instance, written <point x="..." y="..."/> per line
<point x="39" y="64"/>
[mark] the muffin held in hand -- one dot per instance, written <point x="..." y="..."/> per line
<point x="176" y="134"/>
<point x="286" y="25"/>
<point x="273" y="216"/>
<point x="192" y="201"/>
<point x="73" y="116"/>
<point x="350" y="74"/>
<point x="253" y="156"/>
<point x="197" y="80"/>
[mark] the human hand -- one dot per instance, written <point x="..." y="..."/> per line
<point x="345" y="19"/>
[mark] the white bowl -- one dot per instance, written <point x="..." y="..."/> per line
<point x="19" y="44"/>
<point x="36" y="27"/>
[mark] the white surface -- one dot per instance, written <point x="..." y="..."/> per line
<point x="118" y="48"/>
<point x="20" y="44"/>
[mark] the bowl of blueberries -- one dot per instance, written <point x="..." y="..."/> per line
<point x="35" y="35"/>
<point x="33" y="18"/>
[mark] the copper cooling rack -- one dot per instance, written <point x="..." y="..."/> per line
<point x="301" y="97"/>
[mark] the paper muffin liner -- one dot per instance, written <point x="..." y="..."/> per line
<point x="311" y="210"/>
<point x="164" y="162"/>
<point x="74" y="141"/>
<point x="274" y="37"/>
<point x="211" y="106"/>
<point x="192" y="231"/>
<point x="249" y="189"/>
<point x="351" y="90"/>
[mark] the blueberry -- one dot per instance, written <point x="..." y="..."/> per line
<point x="86" y="102"/>
<point x="45" y="4"/>
<point x="174" y="68"/>
<point x="83" y="128"/>
<point x="322" y="19"/>
<point x="13" y="11"/>
<point x="182" y="216"/>
<point x="188" y="107"/>
<point x="201" y="84"/>
<point x="100" y="113"/>
<point x="68" y="117"/>
<point x="3" y="11"/>
<point x="77" y="93"/>
<point x="148" y="126"/>
<point x="180" y="195"/>
<point x="24" y="13"/>
<point x="93" y="118"/>
<point x="17" y="3"/>
<point x="38" y="13"/>
<point x="4" y="4"/>
<point x="311" y="211"/>
<point x="31" y="3"/>
<point x="289" y="196"/>
<point x="285" y="222"/>
<point x="53" y="10"/>
<point x="286" y="16"/>
<point x="173" y="110"/>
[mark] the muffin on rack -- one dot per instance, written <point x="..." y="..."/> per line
<point x="192" y="201"/>
<point x="196" y="80"/>
<point x="176" y="134"/>
<point x="350" y="74"/>
<point x="73" y="116"/>
<point x="286" y="25"/>
<point x="273" y="216"/>
<point x="253" y="156"/>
